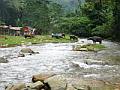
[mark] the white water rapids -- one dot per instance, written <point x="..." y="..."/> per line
<point x="58" y="58"/>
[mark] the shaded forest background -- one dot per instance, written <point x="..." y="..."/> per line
<point x="83" y="18"/>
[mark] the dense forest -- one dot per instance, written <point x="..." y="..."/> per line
<point x="78" y="17"/>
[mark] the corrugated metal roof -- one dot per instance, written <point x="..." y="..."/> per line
<point x="15" y="28"/>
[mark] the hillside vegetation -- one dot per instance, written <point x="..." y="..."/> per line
<point x="78" y="17"/>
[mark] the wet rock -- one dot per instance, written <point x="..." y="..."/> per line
<point x="57" y="82"/>
<point x="74" y="64"/>
<point x="91" y="62"/>
<point x="37" y="85"/>
<point x="21" y="55"/>
<point x="41" y="77"/>
<point x="79" y="48"/>
<point x="9" y="87"/>
<point x="27" y="50"/>
<point x="83" y="49"/>
<point x="18" y="86"/>
<point x="3" y="60"/>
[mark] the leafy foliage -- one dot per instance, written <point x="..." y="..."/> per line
<point x="92" y="17"/>
<point x="75" y="25"/>
<point x="101" y="17"/>
<point x="116" y="24"/>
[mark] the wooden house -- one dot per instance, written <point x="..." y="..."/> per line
<point x="9" y="30"/>
<point x="16" y="31"/>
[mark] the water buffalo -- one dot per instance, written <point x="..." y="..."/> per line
<point x="63" y="34"/>
<point x="28" y="36"/>
<point x="95" y="39"/>
<point x="57" y="35"/>
<point x="73" y="37"/>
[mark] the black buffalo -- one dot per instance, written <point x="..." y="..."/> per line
<point x="95" y="39"/>
<point x="28" y="36"/>
<point x="57" y="35"/>
<point x="73" y="37"/>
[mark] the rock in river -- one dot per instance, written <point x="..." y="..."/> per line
<point x="21" y="55"/>
<point x="27" y="50"/>
<point x="57" y="82"/>
<point x="18" y="86"/>
<point x="3" y="60"/>
<point x="41" y="77"/>
<point x="37" y="85"/>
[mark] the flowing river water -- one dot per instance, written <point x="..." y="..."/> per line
<point x="59" y="58"/>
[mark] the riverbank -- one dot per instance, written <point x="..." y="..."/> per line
<point x="10" y="41"/>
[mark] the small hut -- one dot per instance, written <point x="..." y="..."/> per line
<point x="4" y="30"/>
<point x="16" y="31"/>
<point x="9" y="30"/>
<point x="28" y="30"/>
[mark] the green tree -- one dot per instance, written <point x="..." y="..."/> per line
<point x="18" y="6"/>
<point x="101" y="15"/>
<point x="5" y="16"/>
<point x="36" y="15"/>
<point x="75" y="25"/>
<point x="116" y="24"/>
<point x="55" y="14"/>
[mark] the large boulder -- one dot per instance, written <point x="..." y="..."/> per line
<point x="57" y="82"/>
<point x="18" y="86"/>
<point x="3" y="60"/>
<point x="41" y="77"/>
<point x="37" y="85"/>
<point x="91" y="62"/>
<point x="89" y="84"/>
<point x="21" y="55"/>
<point x="27" y="50"/>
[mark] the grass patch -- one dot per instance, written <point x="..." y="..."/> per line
<point x="18" y="40"/>
<point x="89" y="47"/>
<point x="93" y="47"/>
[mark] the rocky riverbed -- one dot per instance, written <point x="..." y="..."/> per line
<point x="61" y="82"/>
<point x="59" y="58"/>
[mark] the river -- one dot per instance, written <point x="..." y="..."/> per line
<point x="59" y="58"/>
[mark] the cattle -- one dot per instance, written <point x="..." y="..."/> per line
<point x="73" y="37"/>
<point x="63" y="34"/>
<point x="28" y="32"/>
<point x="95" y="39"/>
<point x="57" y="35"/>
<point x="28" y="36"/>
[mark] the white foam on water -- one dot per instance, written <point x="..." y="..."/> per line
<point x="92" y="75"/>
